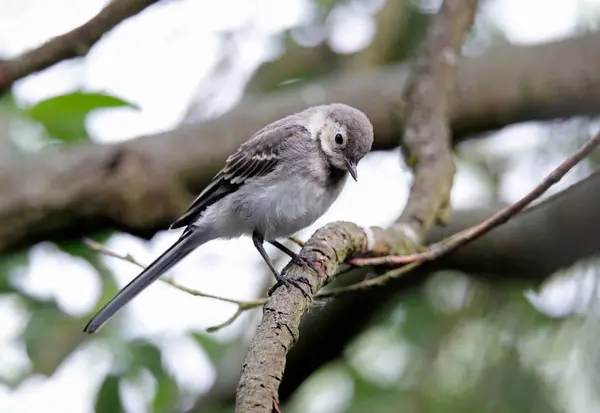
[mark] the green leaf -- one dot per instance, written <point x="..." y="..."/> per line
<point x="410" y="35"/>
<point x="421" y="320"/>
<point x="8" y="263"/>
<point x="215" y="350"/>
<point x="509" y="386"/>
<point x="50" y="336"/>
<point x="167" y="395"/>
<point x="64" y="116"/>
<point x="149" y="356"/>
<point x="368" y="396"/>
<point x="108" y="399"/>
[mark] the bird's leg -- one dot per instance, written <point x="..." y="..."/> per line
<point x="258" y="243"/>
<point x="296" y="258"/>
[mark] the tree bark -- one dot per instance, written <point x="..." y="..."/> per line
<point x="141" y="185"/>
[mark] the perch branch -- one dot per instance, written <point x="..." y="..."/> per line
<point x="72" y="44"/>
<point x="427" y="142"/>
<point x="462" y="238"/>
<point x="532" y="243"/>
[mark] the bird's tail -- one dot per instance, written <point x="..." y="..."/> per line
<point x="184" y="245"/>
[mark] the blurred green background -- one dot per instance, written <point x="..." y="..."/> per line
<point x="452" y="343"/>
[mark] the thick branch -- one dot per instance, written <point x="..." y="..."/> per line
<point x="141" y="185"/>
<point x="426" y="142"/>
<point x="75" y="43"/>
<point x="278" y="331"/>
<point x="531" y="247"/>
<point x="427" y="137"/>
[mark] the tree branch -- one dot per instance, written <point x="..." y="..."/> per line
<point x="427" y="138"/>
<point x="142" y="185"/>
<point x="426" y="142"/>
<point x="278" y="331"/>
<point x="469" y="235"/>
<point x="530" y="247"/>
<point x="75" y="43"/>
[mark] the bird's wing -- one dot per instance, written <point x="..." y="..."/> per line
<point x="256" y="157"/>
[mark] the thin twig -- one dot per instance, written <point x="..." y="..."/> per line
<point x="464" y="237"/>
<point x="241" y="305"/>
<point x="296" y="240"/>
<point x="363" y="285"/>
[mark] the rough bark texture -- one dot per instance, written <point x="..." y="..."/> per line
<point x="278" y="331"/>
<point x="426" y="142"/>
<point x="141" y="185"/>
<point x="75" y="43"/>
<point x="427" y="138"/>
<point x="328" y="248"/>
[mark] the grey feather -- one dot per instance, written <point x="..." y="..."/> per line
<point x="280" y="181"/>
<point x="167" y="260"/>
<point x="255" y="158"/>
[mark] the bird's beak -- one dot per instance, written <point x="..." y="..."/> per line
<point x="351" y="168"/>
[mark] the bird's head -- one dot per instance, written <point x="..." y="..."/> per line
<point x="345" y="136"/>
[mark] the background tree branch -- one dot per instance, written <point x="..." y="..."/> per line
<point x="426" y="141"/>
<point x="141" y="185"/>
<point x="75" y="43"/>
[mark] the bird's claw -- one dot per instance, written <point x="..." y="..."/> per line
<point x="307" y="262"/>
<point x="289" y="282"/>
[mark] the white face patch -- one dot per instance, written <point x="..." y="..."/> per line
<point x="328" y="131"/>
<point x="315" y="123"/>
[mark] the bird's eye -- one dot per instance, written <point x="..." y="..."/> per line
<point x="339" y="139"/>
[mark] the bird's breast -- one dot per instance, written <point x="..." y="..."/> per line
<point x="274" y="206"/>
<point x="282" y="209"/>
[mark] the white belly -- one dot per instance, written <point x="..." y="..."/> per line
<point x="276" y="211"/>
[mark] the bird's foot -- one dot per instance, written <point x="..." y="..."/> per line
<point x="289" y="282"/>
<point x="307" y="263"/>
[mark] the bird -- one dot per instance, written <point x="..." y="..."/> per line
<point x="278" y="182"/>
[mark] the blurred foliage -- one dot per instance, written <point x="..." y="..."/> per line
<point x="149" y="356"/>
<point x="108" y="398"/>
<point x="59" y="120"/>
<point x="470" y="352"/>
<point x="454" y="345"/>
<point x="9" y="263"/>
<point x="401" y="27"/>
<point x="50" y="336"/>
<point x="63" y="117"/>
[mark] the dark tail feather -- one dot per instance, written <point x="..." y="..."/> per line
<point x="184" y="245"/>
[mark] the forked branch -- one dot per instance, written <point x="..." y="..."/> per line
<point x="427" y="144"/>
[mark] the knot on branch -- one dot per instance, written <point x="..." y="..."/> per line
<point x="332" y="244"/>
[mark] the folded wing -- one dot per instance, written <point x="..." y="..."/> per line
<point x="255" y="158"/>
